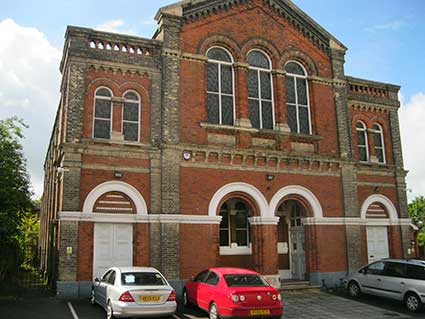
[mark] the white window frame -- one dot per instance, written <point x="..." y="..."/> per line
<point x="260" y="99"/>
<point x="366" y="146"/>
<point x="381" y="133"/>
<point x="102" y="119"/>
<point x="297" y="105"/>
<point x="140" y="115"/>
<point x="219" y="93"/>
<point x="231" y="249"/>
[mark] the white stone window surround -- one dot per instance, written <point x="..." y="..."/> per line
<point x="260" y="99"/>
<point x="297" y="105"/>
<point x="379" y="131"/>
<point x="363" y="130"/>
<point x="140" y="114"/>
<point x="96" y="97"/>
<point x="220" y="63"/>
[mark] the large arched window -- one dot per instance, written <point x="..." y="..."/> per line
<point x="378" y="138"/>
<point x="220" y="87"/>
<point x="260" y="91"/>
<point x="362" y="142"/>
<point x="234" y="226"/>
<point x="102" y="119"/>
<point x="131" y="117"/>
<point x="297" y="98"/>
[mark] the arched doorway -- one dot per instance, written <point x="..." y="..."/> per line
<point x="291" y="240"/>
<point x="377" y="235"/>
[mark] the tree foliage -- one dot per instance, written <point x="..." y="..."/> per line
<point x="417" y="214"/>
<point x="15" y="194"/>
<point x="27" y="238"/>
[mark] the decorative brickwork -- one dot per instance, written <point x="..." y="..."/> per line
<point x="182" y="168"/>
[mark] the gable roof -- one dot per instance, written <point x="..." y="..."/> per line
<point x="195" y="9"/>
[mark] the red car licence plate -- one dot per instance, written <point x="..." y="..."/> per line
<point x="259" y="312"/>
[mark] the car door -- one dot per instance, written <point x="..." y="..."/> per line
<point x="209" y="290"/>
<point x="394" y="280"/>
<point x="100" y="288"/>
<point x="110" y="288"/>
<point x="371" y="278"/>
<point x="193" y="286"/>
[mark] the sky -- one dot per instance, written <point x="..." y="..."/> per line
<point x="385" y="40"/>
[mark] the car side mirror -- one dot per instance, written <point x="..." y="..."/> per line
<point x="96" y="279"/>
<point x="363" y="271"/>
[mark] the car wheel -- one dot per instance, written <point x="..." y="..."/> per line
<point x="92" y="297"/>
<point x="109" y="311"/>
<point x="186" y="302"/>
<point x="214" y="311"/>
<point x="413" y="303"/>
<point x="354" y="289"/>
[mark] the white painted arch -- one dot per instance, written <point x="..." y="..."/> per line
<point x="300" y="191"/>
<point x="116" y="186"/>
<point x="378" y="198"/>
<point x="241" y="188"/>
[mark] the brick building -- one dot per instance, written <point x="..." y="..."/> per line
<point x="232" y="138"/>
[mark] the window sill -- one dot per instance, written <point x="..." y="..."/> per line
<point x="235" y="251"/>
<point x="109" y="141"/>
<point x="305" y="137"/>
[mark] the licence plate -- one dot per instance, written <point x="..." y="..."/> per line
<point x="260" y="312"/>
<point x="150" y="298"/>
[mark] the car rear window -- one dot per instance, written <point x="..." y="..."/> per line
<point x="142" y="279"/>
<point x="416" y="272"/>
<point x="248" y="280"/>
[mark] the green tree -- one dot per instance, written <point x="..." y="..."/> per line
<point x="417" y="214"/>
<point x="27" y="237"/>
<point x="15" y="194"/>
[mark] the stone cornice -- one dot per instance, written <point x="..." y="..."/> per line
<point x="371" y="107"/>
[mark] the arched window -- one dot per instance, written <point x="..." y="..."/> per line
<point x="260" y="91"/>
<point x="234" y="226"/>
<point x="297" y="98"/>
<point x="362" y="143"/>
<point x="220" y="84"/>
<point x="378" y="138"/>
<point x="131" y="117"/>
<point x="102" y="119"/>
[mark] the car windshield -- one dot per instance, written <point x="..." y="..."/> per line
<point x="245" y="280"/>
<point x="142" y="279"/>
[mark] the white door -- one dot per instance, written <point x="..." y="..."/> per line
<point x="112" y="247"/>
<point x="377" y="243"/>
<point x="298" y="253"/>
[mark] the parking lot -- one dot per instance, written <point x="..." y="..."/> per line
<point x="297" y="305"/>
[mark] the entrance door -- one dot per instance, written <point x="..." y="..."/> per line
<point x="112" y="247"/>
<point x="377" y="243"/>
<point x="298" y="253"/>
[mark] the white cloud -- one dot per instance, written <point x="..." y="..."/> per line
<point x="29" y="89"/>
<point x="390" y="26"/>
<point x="115" y="26"/>
<point x="412" y="122"/>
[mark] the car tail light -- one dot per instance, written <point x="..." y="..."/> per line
<point x="274" y="297"/>
<point x="235" y="298"/>
<point x="242" y="298"/>
<point x="279" y="297"/>
<point x="126" y="297"/>
<point x="172" y="296"/>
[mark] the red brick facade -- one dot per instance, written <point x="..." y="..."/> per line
<point x="184" y="170"/>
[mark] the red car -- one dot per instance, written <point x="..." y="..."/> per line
<point x="233" y="292"/>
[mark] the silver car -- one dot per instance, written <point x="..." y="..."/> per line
<point x="134" y="292"/>
<point x="398" y="279"/>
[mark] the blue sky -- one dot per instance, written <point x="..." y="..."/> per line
<point x="385" y="38"/>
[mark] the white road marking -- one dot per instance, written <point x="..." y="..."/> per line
<point x="71" y="308"/>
